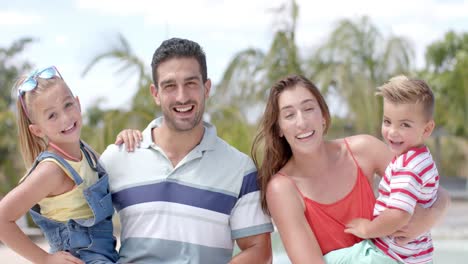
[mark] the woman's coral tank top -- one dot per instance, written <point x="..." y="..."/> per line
<point x="328" y="221"/>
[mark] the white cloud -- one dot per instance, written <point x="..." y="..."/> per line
<point x="12" y="18"/>
<point x="61" y="39"/>
<point x="226" y="14"/>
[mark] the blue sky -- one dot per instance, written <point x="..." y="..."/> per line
<point x="71" y="32"/>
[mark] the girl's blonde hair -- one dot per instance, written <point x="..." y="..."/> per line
<point x="30" y="145"/>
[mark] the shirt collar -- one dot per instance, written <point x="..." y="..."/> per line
<point x="207" y="143"/>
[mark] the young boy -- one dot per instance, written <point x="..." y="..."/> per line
<point x="411" y="178"/>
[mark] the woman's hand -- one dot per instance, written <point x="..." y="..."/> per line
<point x="424" y="219"/>
<point x="130" y="137"/>
<point x="415" y="227"/>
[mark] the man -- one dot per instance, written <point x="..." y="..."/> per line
<point x="185" y="194"/>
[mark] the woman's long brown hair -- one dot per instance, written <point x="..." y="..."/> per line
<point x="268" y="145"/>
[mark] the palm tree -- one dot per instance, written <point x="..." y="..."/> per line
<point x="353" y="62"/>
<point x="251" y="72"/>
<point x="103" y="125"/>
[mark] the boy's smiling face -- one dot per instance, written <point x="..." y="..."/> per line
<point x="405" y="126"/>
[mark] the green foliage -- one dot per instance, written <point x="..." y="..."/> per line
<point x="102" y="126"/>
<point x="232" y="127"/>
<point x="452" y="155"/>
<point x="11" y="165"/>
<point x="447" y="72"/>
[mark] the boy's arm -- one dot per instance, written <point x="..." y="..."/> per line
<point x="385" y="224"/>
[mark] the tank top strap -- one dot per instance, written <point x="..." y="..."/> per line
<point x="351" y="153"/>
<point x="293" y="183"/>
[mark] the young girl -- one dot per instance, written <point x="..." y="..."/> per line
<point x="65" y="187"/>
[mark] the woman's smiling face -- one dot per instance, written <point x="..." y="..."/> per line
<point x="300" y="119"/>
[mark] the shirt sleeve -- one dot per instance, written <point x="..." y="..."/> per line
<point x="405" y="190"/>
<point x="247" y="217"/>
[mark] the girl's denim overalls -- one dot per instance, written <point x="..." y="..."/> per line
<point x="92" y="239"/>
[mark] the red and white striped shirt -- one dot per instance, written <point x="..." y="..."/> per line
<point x="410" y="179"/>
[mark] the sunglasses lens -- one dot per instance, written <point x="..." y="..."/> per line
<point x="31" y="83"/>
<point x="48" y="73"/>
<point x="28" y="85"/>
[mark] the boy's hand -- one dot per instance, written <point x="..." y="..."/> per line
<point x="358" y="227"/>
<point x="62" y="257"/>
<point x="130" y="137"/>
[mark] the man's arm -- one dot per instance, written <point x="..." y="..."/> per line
<point x="254" y="249"/>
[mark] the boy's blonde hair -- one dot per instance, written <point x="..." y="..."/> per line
<point x="403" y="90"/>
<point x="30" y="145"/>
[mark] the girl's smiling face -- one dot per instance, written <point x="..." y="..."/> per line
<point x="56" y="114"/>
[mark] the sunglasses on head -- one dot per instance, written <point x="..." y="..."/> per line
<point x="30" y="83"/>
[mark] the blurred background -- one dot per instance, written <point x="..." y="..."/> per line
<point x="347" y="48"/>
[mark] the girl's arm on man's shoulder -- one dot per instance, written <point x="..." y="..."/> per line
<point x="130" y="137"/>
<point x="287" y="210"/>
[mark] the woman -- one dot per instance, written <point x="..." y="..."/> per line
<point x="313" y="187"/>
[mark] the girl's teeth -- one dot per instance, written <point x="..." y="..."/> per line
<point x="69" y="128"/>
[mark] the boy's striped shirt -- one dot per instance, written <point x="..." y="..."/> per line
<point x="410" y="179"/>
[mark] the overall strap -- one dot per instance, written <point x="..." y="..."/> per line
<point x="91" y="158"/>
<point x="49" y="155"/>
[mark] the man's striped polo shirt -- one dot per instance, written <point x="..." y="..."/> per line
<point x="190" y="213"/>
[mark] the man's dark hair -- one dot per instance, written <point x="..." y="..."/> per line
<point x="178" y="48"/>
